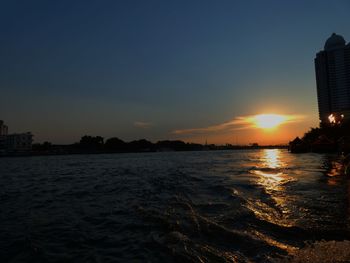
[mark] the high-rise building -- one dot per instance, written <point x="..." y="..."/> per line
<point x="332" y="67"/>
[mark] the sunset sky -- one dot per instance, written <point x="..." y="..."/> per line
<point x="190" y="70"/>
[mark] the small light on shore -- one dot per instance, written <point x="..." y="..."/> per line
<point x="331" y="119"/>
<point x="335" y="118"/>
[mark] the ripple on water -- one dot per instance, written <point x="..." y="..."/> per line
<point x="230" y="206"/>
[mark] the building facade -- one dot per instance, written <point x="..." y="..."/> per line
<point x="21" y="142"/>
<point x="332" y="66"/>
<point x="3" y="129"/>
<point x="14" y="143"/>
<point x="3" y="134"/>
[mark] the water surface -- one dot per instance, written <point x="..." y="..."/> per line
<point x="216" y="206"/>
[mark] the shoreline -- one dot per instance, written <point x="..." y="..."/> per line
<point x="219" y="148"/>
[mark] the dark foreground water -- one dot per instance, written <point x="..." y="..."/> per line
<point x="257" y="206"/>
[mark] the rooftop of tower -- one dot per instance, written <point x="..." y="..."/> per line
<point x="334" y="41"/>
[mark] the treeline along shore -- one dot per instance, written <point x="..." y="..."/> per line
<point x="327" y="138"/>
<point x="97" y="145"/>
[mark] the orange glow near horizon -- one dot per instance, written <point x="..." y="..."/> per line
<point x="269" y="121"/>
<point x="265" y="129"/>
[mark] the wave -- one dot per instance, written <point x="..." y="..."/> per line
<point x="319" y="251"/>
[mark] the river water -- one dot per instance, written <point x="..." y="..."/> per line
<point x="215" y="206"/>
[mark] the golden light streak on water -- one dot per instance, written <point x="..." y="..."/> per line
<point x="270" y="174"/>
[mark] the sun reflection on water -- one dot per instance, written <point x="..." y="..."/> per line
<point x="271" y="157"/>
<point x="270" y="170"/>
<point x="271" y="176"/>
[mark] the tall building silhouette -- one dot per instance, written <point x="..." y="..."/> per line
<point x="332" y="67"/>
<point x="3" y="128"/>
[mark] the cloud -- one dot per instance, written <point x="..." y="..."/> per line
<point x="142" y="124"/>
<point x="238" y="123"/>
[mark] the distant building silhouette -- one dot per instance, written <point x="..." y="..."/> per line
<point x="3" y="129"/>
<point x="332" y="66"/>
<point x="19" y="142"/>
<point x="14" y="143"/>
<point x="3" y="134"/>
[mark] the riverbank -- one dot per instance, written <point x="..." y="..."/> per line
<point x="71" y="150"/>
<point x="326" y="139"/>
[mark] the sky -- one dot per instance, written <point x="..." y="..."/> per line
<point x="185" y="69"/>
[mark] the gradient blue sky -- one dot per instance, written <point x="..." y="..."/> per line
<point x="137" y="69"/>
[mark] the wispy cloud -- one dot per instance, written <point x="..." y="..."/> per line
<point x="238" y="123"/>
<point x="142" y="124"/>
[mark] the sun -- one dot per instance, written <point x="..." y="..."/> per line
<point x="269" y="121"/>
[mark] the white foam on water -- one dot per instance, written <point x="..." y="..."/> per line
<point x="320" y="252"/>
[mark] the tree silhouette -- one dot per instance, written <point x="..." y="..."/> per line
<point x="91" y="143"/>
<point x="115" y="145"/>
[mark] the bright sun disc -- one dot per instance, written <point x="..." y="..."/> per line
<point x="269" y="121"/>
